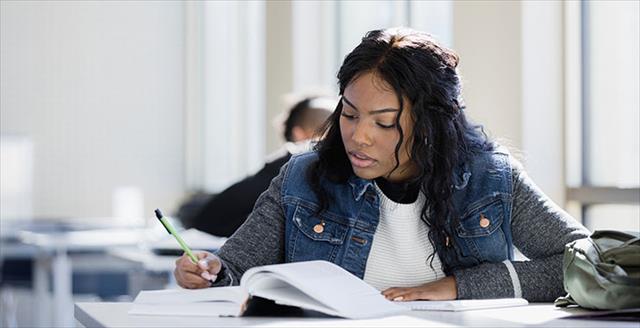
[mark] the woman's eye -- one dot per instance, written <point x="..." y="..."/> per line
<point x="348" y="116"/>
<point x="386" y="126"/>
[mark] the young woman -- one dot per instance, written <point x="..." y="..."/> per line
<point x="403" y="192"/>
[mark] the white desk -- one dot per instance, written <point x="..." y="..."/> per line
<point x="115" y="315"/>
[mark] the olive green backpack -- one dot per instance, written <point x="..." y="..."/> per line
<point x="602" y="271"/>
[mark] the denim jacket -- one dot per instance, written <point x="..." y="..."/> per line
<point x="343" y="233"/>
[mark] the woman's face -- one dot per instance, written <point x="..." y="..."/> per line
<point x="369" y="133"/>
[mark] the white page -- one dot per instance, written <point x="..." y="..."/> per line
<point x="218" y="301"/>
<point x="235" y="294"/>
<point x="330" y="285"/>
<point x="269" y="285"/>
<point x="463" y="305"/>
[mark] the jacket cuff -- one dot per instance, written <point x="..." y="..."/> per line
<point x="487" y="280"/>
<point x="224" y="277"/>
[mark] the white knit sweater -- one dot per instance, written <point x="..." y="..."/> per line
<point x="400" y="248"/>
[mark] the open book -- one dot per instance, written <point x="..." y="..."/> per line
<point x="315" y="285"/>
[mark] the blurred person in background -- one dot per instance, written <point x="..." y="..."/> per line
<point x="226" y="211"/>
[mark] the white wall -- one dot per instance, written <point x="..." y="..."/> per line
<point x="98" y="86"/>
<point x="512" y="67"/>
<point x="486" y="35"/>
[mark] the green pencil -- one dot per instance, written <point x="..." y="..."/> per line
<point x="175" y="234"/>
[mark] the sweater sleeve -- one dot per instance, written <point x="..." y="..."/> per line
<point x="259" y="241"/>
<point x="540" y="230"/>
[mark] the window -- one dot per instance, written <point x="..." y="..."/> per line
<point x="225" y="101"/>
<point x="603" y="133"/>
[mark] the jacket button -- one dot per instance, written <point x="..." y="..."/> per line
<point x="318" y="228"/>
<point x="484" y="222"/>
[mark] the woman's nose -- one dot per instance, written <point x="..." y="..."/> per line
<point x="362" y="135"/>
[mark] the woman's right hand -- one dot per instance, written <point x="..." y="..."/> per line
<point x="197" y="275"/>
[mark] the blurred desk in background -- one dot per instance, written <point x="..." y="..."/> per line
<point x="51" y="254"/>
<point x="52" y="245"/>
<point x="146" y="259"/>
<point x="160" y="256"/>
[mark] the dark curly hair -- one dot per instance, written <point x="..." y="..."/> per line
<point x="424" y="72"/>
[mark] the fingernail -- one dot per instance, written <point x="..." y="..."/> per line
<point x="206" y="275"/>
<point x="399" y="298"/>
<point x="203" y="264"/>
<point x="213" y="277"/>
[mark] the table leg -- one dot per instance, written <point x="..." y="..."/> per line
<point x="63" y="289"/>
<point x="42" y="308"/>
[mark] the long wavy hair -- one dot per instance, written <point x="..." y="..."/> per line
<point x="424" y="72"/>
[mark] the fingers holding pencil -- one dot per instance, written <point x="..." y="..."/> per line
<point x="197" y="275"/>
<point x="210" y="266"/>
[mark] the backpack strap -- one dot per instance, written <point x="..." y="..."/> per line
<point x="564" y="301"/>
<point x="631" y="241"/>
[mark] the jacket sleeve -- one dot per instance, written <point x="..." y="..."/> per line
<point x="540" y="230"/>
<point x="259" y="241"/>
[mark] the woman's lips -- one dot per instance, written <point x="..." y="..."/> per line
<point x="360" y="160"/>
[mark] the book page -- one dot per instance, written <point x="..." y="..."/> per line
<point x="218" y="301"/>
<point x="463" y="305"/>
<point x="329" y="285"/>
<point x="270" y="286"/>
<point x="235" y="294"/>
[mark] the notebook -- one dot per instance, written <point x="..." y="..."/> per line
<point x="464" y="305"/>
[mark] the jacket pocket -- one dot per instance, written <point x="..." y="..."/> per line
<point x="479" y="232"/>
<point x="316" y="237"/>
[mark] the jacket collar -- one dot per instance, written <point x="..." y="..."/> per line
<point x="359" y="186"/>
<point x="461" y="176"/>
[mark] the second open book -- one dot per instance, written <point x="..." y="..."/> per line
<point x="316" y="285"/>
